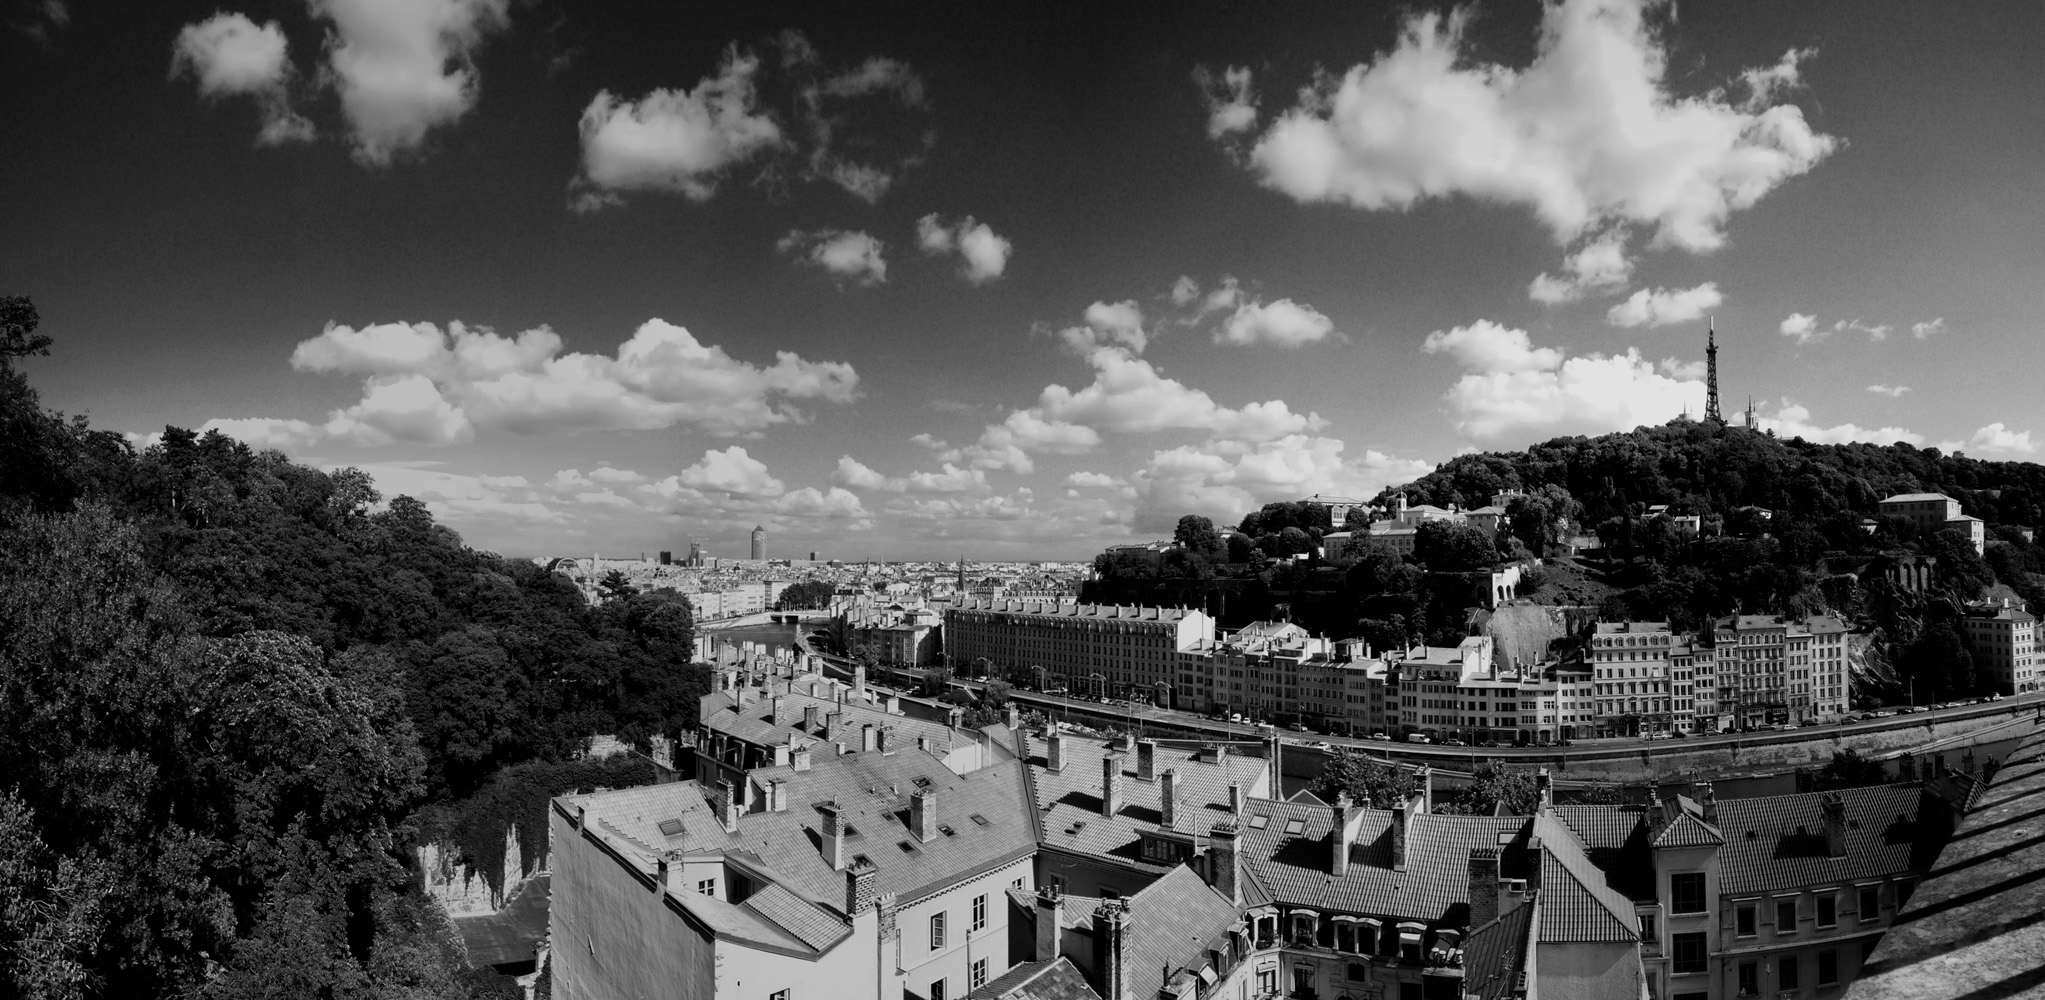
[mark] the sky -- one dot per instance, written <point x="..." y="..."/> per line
<point x="1010" y="282"/>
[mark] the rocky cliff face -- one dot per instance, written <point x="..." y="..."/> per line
<point x="462" y="890"/>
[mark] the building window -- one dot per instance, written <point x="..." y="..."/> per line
<point x="1267" y="981"/>
<point x="937" y="989"/>
<point x="1828" y="910"/>
<point x="1750" y="980"/>
<point x="1690" y="953"/>
<point x="1016" y="885"/>
<point x="1870" y="902"/>
<point x="979" y="974"/>
<point x="1686" y="892"/>
<point x="1743" y="923"/>
<point x="1786" y="973"/>
<point x="980" y="912"/>
<point x="936" y="931"/>
<point x="1359" y="973"/>
<point x="707" y="887"/>
<point x="1647" y="929"/>
<point x="1785" y="916"/>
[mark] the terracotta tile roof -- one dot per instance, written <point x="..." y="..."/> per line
<point x="1056" y="979"/>
<point x="1688" y="831"/>
<point x="816" y="927"/>
<point x="1615" y="839"/>
<point x="752" y="722"/>
<point x="1172" y="923"/>
<point x="1778" y="841"/>
<point x="1577" y="904"/>
<point x="1069" y="801"/>
<point x="1495" y="957"/>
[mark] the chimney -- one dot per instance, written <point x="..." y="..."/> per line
<point x="774" y="710"/>
<point x="1707" y="799"/>
<point x="1401" y="814"/>
<point x="1338" y="842"/>
<point x="660" y="874"/>
<point x="833" y="835"/>
<point x="1544" y="787"/>
<point x="1657" y="817"/>
<point x="1110" y="923"/>
<point x="1483" y="886"/>
<point x="1271" y="751"/>
<point x="955" y="717"/>
<point x="834" y="724"/>
<point x="1235" y="799"/>
<point x="1050" y="920"/>
<point x="777" y="795"/>
<point x="1014" y="718"/>
<point x="1054" y="751"/>
<point x="868" y="739"/>
<point x="923" y="743"/>
<point x="800" y="759"/>
<point x="1168" y="799"/>
<point x="859" y="683"/>
<point x="1128" y="741"/>
<point x="1222" y="872"/>
<point x="1424" y="790"/>
<point x="860" y="881"/>
<point x="811" y="715"/>
<point x="1146" y="760"/>
<point x="923" y="815"/>
<point x="894" y="704"/>
<point x="882" y="741"/>
<point x="727" y="807"/>
<point x="1111" y="784"/>
<point x="1834" y="806"/>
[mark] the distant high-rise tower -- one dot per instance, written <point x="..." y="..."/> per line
<point x="1750" y="414"/>
<point x="1711" y="414"/>
<point x="759" y="543"/>
<point x="962" y="574"/>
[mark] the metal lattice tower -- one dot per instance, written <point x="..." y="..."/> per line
<point x="1711" y="413"/>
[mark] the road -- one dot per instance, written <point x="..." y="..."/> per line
<point x="1578" y="750"/>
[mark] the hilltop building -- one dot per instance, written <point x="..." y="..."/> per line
<point x="1936" y="512"/>
<point x="2003" y="639"/>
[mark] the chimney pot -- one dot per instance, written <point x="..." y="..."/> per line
<point x="1168" y="799"/>
<point x="1050" y="918"/>
<point x="833" y="835"/>
<point x="1111" y="784"/>
<point x="1222" y="871"/>
<point x="868" y="739"/>
<point x="1146" y="760"/>
<point x="923" y="815"/>
<point x="1483" y="886"/>
<point x="1054" y="751"/>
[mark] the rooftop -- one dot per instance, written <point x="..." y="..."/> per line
<point x="1917" y="498"/>
<point x="1056" y="979"/>
<point x="1069" y="801"/>
<point x="1974" y="928"/>
<point x="1055" y="609"/>
<point x="1778" y="841"/>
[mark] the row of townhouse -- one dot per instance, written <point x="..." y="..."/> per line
<point x="1012" y="864"/>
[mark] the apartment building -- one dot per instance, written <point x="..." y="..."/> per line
<point x="1831" y="675"/>
<point x="2003" y="638"/>
<point x="1096" y="649"/>
<point x="1936" y="512"/>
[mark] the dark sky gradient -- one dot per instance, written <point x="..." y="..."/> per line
<point x="177" y="264"/>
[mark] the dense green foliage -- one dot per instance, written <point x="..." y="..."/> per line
<point x="516" y="798"/>
<point x="1368" y="780"/>
<point x="806" y="595"/>
<point x="228" y="682"/>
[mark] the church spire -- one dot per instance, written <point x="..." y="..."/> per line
<point x="1711" y="413"/>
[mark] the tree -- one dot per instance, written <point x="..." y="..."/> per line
<point x="1366" y="779"/>
<point x="1848" y="769"/>
<point x="1602" y="793"/>
<point x="1493" y="784"/>
<point x="807" y="595"/>
<point x="1197" y="536"/>
<point x="615" y="586"/>
<point x="1240" y="549"/>
<point x="1449" y="547"/>
<point x="18" y="337"/>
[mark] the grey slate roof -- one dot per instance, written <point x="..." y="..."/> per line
<point x="1615" y="839"/>
<point x="1172" y="922"/>
<point x="1293" y="868"/>
<point x="1069" y="801"/>
<point x="1778" y="841"/>
<point x="757" y="723"/>
<point x="1687" y="830"/>
<point x="1576" y="902"/>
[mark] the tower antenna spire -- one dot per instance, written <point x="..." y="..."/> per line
<point x="1711" y="413"/>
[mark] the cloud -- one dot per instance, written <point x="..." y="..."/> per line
<point x="983" y="255"/>
<point x="1108" y="324"/>
<point x="1185" y="290"/>
<point x="466" y="501"/>
<point x="1928" y="328"/>
<point x="1598" y="267"/>
<point x="1588" y="135"/>
<point x="1223" y="478"/>
<point x="1485" y="346"/>
<point x="674" y="140"/>
<point x="1283" y="323"/>
<point x="731" y="471"/>
<point x="1683" y="371"/>
<point x="1875" y="333"/>
<point x="1128" y="395"/>
<point x="230" y="55"/>
<point x="849" y="256"/>
<point x="950" y="479"/>
<point x="881" y="95"/>
<point x="1891" y="391"/>
<point x="1793" y="420"/>
<point x="1665" y="307"/>
<point x="1094" y="480"/>
<point x="432" y="386"/>
<point x="1803" y="328"/>
<point x="1998" y="438"/>
<point x="1514" y="392"/>
<point x="404" y="67"/>
<point x="1231" y="106"/>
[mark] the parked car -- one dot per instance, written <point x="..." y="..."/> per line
<point x="1418" y="738"/>
<point x="1297" y="727"/>
<point x="1381" y="737"/>
<point x="1235" y="717"/>
<point x="1454" y="743"/>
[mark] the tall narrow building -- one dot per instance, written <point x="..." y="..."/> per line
<point x="1711" y="413"/>
<point x="759" y="543"/>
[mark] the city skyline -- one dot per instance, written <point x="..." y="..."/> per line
<point x="1001" y="283"/>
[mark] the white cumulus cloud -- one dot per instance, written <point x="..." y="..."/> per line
<point x="1515" y="392"/>
<point x="1802" y="327"/>
<point x="1600" y="266"/>
<point x="1891" y="391"/>
<point x="983" y="254"/>
<point x="851" y="257"/>
<point x="1223" y="478"/>
<point x="1665" y="306"/>
<point x="404" y="67"/>
<point x="1283" y="323"/>
<point x="675" y="140"/>
<point x="1793" y="420"/>
<point x="1928" y="328"/>
<point x="1997" y="437"/>
<point x="732" y="471"/>
<point x="1588" y="135"/>
<point x="230" y="55"/>
<point x="1231" y="106"/>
